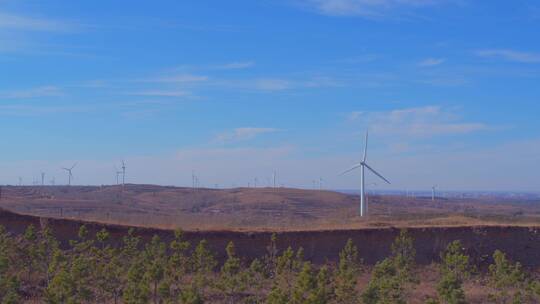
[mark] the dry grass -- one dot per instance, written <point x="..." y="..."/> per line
<point x="257" y="209"/>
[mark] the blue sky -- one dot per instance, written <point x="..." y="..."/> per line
<point x="234" y="90"/>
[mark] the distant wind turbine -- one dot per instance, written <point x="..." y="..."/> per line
<point x="433" y="192"/>
<point x="70" y="173"/>
<point x="123" y="173"/>
<point x="118" y="172"/>
<point x="363" y="165"/>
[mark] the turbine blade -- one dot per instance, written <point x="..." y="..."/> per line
<point x="351" y="169"/>
<point x="75" y="164"/>
<point x="365" y="147"/>
<point x="375" y="172"/>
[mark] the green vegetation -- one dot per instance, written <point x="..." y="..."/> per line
<point x="36" y="268"/>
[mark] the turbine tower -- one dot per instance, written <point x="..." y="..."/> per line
<point x="274" y="178"/>
<point x="433" y="192"/>
<point x="363" y="165"/>
<point x="118" y="172"/>
<point x="123" y="173"/>
<point x="70" y="173"/>
<point x="43" y="178"/>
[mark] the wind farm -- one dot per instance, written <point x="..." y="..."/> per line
<point x="270" y="152"/>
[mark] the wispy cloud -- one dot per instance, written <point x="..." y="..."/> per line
<point x="272" y="84"/>
<point x="365" y="8"/>
<point x="510" y="55"/>
<point x="235" y="65"/>
<point x="419" y="122"/>
<point x="430" y="62"/>
<point x="37" y="110"/>
<point x="180" y="78"/>
<point x="242" y="134"/>
<point x="18" y="22"/>
<point x="161" y="93"/>
<point x="43" y="91"/>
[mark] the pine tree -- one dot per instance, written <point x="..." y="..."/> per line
<point x="61" y="289"/>
<point x="347" y="274"/>
<point x="404" y="255"/>
<point x="323" y="289"/>
<point x="304" y="285"/>
<point x="454" y="270"/>
<point x="270" y="259"/>
<point x="287" y="267"/>
<point x="48" y="246"/>
<point x="203" y="263"/>
<point x="385" y="286"/>
<point x="178" y="264"/>
<point x="9" y="284"/>
<point x="507" y="278"/>
<point x="137" y="286"/>
<point x="232" y="279"/>
<point x="390" y="276"/>
<point x="28" y="252"/>
<point x="102" y="237"/>
<point x="155" y="260"/>
<point x="255" y="279"/>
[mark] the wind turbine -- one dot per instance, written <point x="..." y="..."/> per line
<point x="321" y="180"/>
<point x="363" y="165"/>
<point x="274" y="178"/>
<point x="43" y="178"/>
<point x="117" y="174"/>
<point x="70" y="174"/>
<point x="433" y="192"/>
<point x="123" y="173"/>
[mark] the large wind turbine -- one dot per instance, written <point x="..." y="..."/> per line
<point x="363" y="165"/>
<point x="70" y="174"/>
<point x="433" y="192"/>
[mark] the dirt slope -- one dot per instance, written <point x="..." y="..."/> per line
<point x="520" y="243"/>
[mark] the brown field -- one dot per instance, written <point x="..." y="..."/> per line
<point x="258" y="209"/>
<point x="319" y="221"/>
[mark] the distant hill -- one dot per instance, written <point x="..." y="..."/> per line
<point x="255" y="208"/>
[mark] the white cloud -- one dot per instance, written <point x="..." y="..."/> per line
<point x="418" y="122"/>
<point x="364" y="8"/>
<point x="36" y="110"/>
<point x="161" y="93"/>
<point x="17" y="22"/>
<point x="429" y="62"/>
<point x="271" y="84"/>
<point x="181" y="78"/>
<point x="235" y="65"/>
<point x="43" y="91"/>
<point x="510" y="55"/>
<point x="242" y="134"/>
